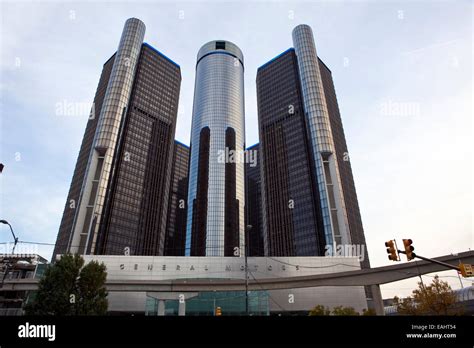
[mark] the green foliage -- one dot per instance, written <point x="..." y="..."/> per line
<point x="436" y="298"/>
<point x="344" y="311"/>
<point x="70" y="288"/>
<point x="406" y="306"/>
<point x="368" y="312"/>
<point x="319" y="310"/>
<point x="339" y="310"/>
<point x="92" y="299"/>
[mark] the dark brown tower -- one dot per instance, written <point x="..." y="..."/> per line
<point x="70" y="209"/>
<point x="177" y="207"/>
<point x="253" y="204"/>
<point x="135" y="209"/>
<point x="292" y="223"/>
<point x="137" y="199"/>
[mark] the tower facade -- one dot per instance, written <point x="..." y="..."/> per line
<point x="332" y="202"/>
<point x="309" y="202"/>
<point x="216" y="195"/>
<point x="119" y="193"/>
<point x="291" y="212"/>
<point x="345" y="170"/>
<point x="177" y="206"/>
<point x="253" y="204"/>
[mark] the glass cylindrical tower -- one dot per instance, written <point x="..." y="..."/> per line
<point x="117" y="96"/>
<point x="215" y="223"/>
<point x="333" y="208"/>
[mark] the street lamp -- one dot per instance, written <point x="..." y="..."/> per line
<point x="15" y="238"/>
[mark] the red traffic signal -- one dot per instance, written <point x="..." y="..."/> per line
<point x="392" y="250"/>
<point x="407" y="243"/>
<point x="466" y="270"/>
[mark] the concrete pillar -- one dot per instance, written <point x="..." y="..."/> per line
<point x="161" y="307"/>
<point x="173" y="296"/>
<point x="182" y="308"/>
<point x="377" y="299"/>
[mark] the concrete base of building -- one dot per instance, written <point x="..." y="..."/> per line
<point x="263" y="302"/>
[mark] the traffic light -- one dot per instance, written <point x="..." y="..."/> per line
<point x="392" y="250"/>
<point x="218" y="311"/>
<point x="407" y="243"/>
<point x="466" y="270"/>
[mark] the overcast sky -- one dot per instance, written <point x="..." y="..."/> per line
<point x="402" y="73"/>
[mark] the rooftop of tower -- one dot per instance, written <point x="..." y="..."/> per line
<point x="154" y="49"/>
<point x="275" y="58"/>
<point x="285" y="52"/>
<point x="161" y="54"/>
<point x="220" y="46"/>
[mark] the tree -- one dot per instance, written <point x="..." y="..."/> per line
<point x="368" y="312"/>
<point x="319" y="310"/>
<point x="339" y="310"/>
<point x="344" y="311"/>
<point x="92" y="299"/>
<point x="436" y="298"/>
<point x="70" y="288"/>
<point x="406" y="306"/>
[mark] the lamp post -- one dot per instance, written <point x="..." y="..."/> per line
<point x="247" y="229"/>
<point x="15" y="238"/>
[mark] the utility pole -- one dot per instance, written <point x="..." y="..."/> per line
<point x="214" y="303"/>
<point x="247" y="229"/>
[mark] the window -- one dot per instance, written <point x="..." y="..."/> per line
<point x="220" y="45"/>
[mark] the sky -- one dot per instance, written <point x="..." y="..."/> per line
<point x="402" y="72"/>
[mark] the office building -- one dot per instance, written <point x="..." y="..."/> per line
<point x="253" y="204"/>
<point x="216" y="193"/>
<point x="291" y="215"/>
<point x="18" y="266"/>
<point x="118" y="200"/>
<point x="309" y="202"/>
<point x="177" y="206"/>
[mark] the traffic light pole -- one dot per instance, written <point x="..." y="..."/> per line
<point x="432" y="261"/>
<point x="247" y="230"/>
<point x="246" y="277"/>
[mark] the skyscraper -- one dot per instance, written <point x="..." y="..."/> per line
<point x="118" y="199"/>
<point x="308" y="194"/>
<point x="345" y="170"/>
<point x="292" y="222"/>
<point x="336" y="229"/>
<point x="253" y="205"/>
<point x="215" y="223"/>
<point x="177" y="206"/>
